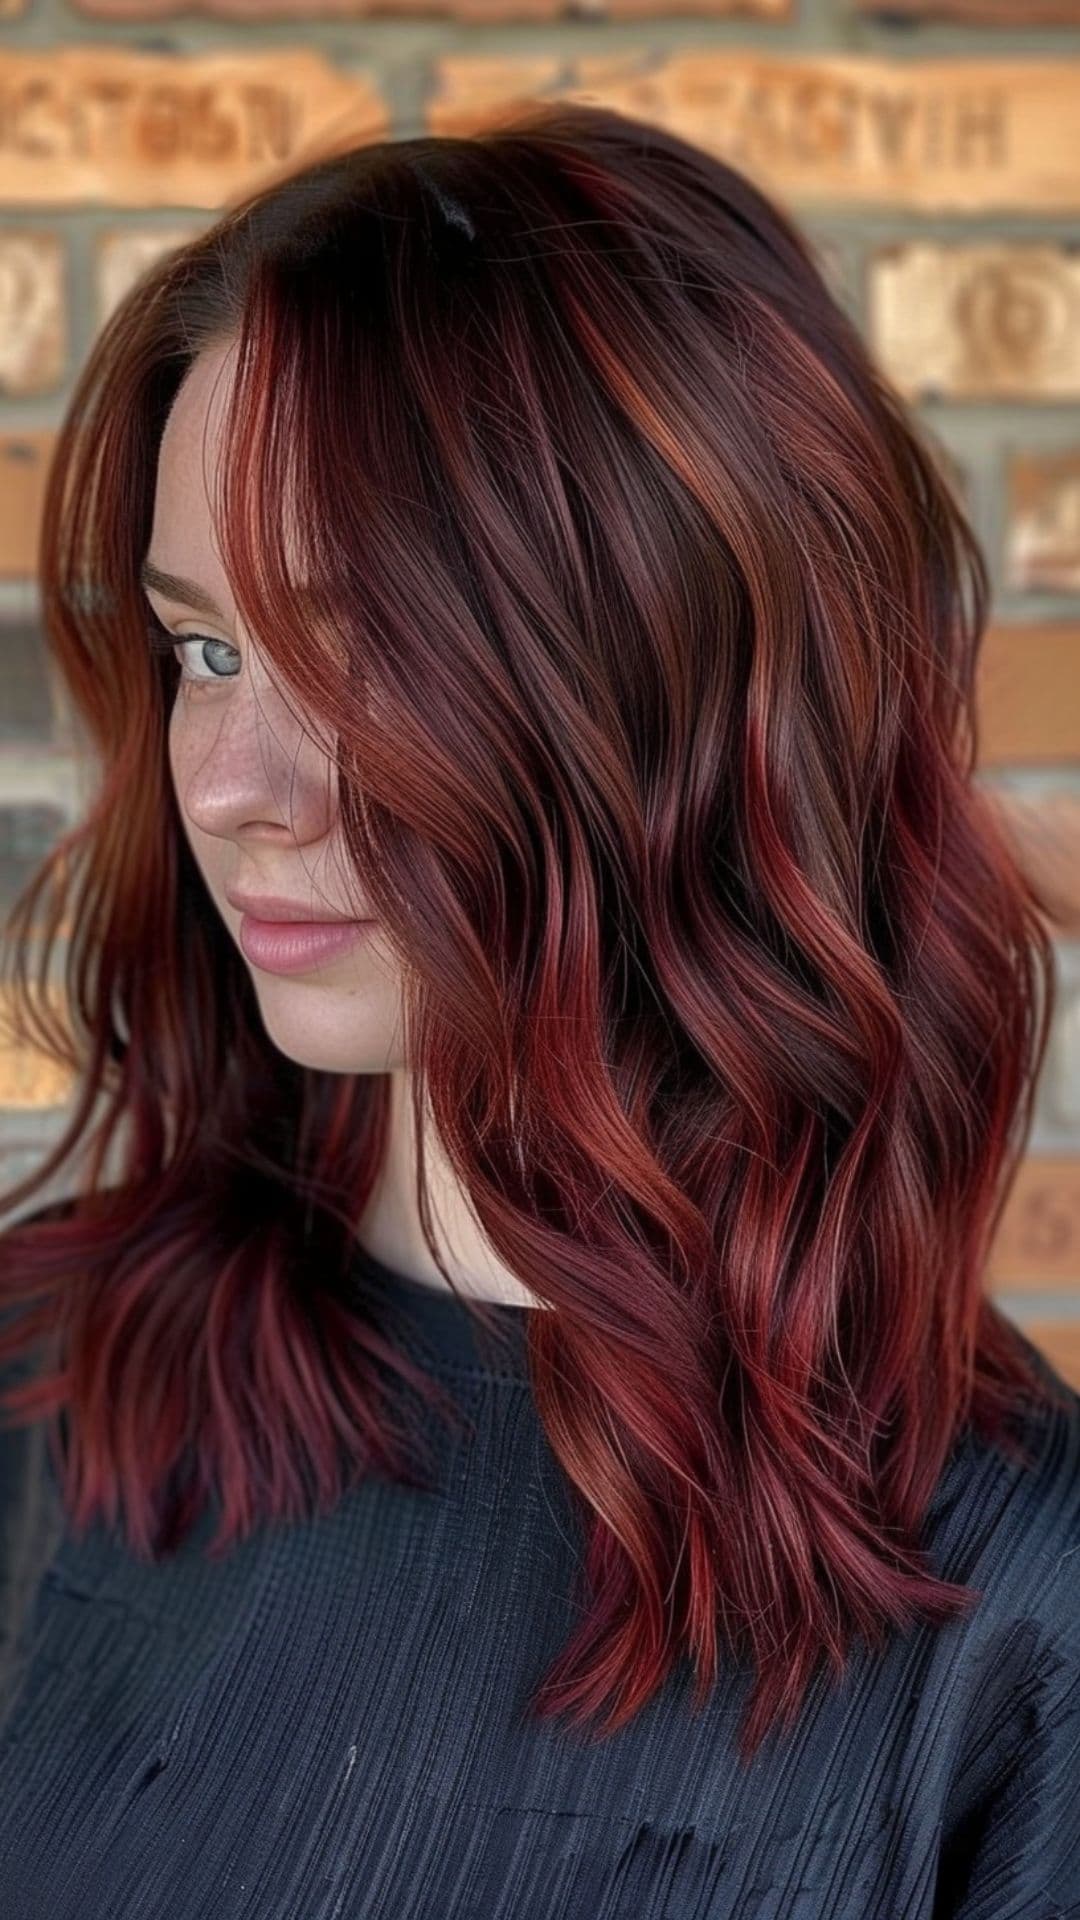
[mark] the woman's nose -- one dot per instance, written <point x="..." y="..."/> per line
<point x="247" y="762"/>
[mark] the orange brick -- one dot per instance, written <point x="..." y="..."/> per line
<point x="1042" y="542"/>
<point x="23" y="466"/>
<point x="1037" y="1244"/>
<point x="981" y="13"/>
<point x="476" y="12"/>
<point x="472" y="86"/>
<point x="96" y="124"/>
<point x="1029" y="693"/>
<point x="979" y="320"/>
<point x="28" y="1080"/>
<point x="846" y="129"/>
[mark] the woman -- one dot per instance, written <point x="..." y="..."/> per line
<point x="554" y="1020"/>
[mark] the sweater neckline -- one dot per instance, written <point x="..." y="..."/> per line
<point x="443" y="1329"/>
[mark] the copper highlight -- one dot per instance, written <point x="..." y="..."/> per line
<point x="645" y="620"/>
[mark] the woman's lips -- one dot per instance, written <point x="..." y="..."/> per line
<point x="298" y="946"/>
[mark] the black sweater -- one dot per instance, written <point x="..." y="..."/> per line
<point x="325" y="1724"/>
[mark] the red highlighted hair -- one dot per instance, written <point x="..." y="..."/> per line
<point x="646" y="623"/>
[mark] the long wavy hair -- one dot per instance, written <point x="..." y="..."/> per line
<point x="646" y="624"/>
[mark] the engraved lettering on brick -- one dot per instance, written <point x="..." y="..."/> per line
<point x="964" y="135"/>
<point x="31" y="311"/>
<point x="140" y="129"/>
<point x="832" y="115"/>
<point x="979" y="321"/>
<point x="1042" y="544"/>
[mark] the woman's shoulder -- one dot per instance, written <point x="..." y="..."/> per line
<point x="1011" y="1531"/>
<point x="1010" y="1527"/>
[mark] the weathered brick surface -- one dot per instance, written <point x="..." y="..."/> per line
<point x="27" y="833"/>
<point x="125" y="253"/>
<point x="981" y="320"/>
<point x="978" y="13"/>
<point x="478" y="13"/>
<point x="1038" y="1242"/>
<point x="23" y="464"/>
<point x="28" y="1081"/>
<point x="1045" y="829"/>
<point x="142" y="129"/>
<point x="930" y="135"/>
<point x="1042" y="538"/>
<point x="82" y="124"/>
<point x="26" y="709"/>
<point x="33" y="315"/>
<point x="1029" y="693"/>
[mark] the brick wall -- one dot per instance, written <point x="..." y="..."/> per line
<point x="931" y="147"/>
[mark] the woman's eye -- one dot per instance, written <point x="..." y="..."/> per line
<point x="209" y="650"/>
<point x="221" y="660"/>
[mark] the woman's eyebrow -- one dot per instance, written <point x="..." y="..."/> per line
<point x="174" y="587"/>
<point x="188" y="593"/>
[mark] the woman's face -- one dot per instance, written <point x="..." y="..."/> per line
<point x="257" y="794"/>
